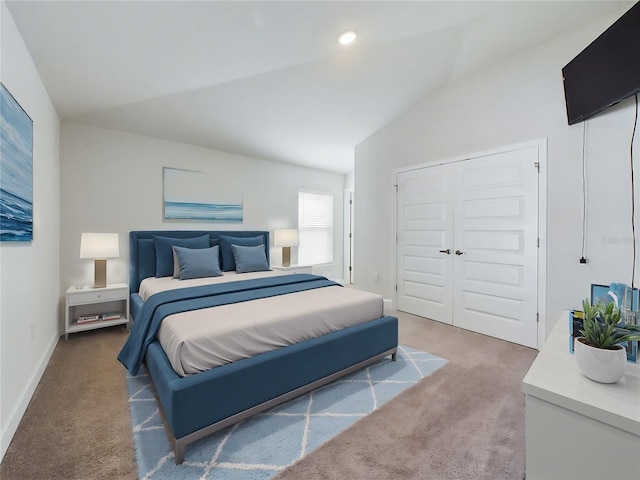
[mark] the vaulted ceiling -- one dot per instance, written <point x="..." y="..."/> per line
<point x="268" y="79"/>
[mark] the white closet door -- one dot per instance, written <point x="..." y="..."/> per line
<point x="425" y="228"/>
<point x="495" y="238"/>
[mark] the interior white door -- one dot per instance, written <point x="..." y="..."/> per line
<point x="496" y="246"/>
<point x="467" y="244"/>
<point x="424" y="243"/>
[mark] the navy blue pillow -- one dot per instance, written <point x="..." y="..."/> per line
<point x="164" y="252"/>
<point x="228" y="261"/>
<point x="250" y="259"/>
<point x="198" y="262"/>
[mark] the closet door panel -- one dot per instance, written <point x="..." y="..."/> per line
<point x="425" y="226"/>
<point x="495" y="234"/>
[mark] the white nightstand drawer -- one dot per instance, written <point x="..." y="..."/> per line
<point x="92" y="296"/>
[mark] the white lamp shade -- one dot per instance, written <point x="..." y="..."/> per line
<point x="286" y="237"/>
<point x="99" y="245"/>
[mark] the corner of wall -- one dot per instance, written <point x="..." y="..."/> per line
<point x="29" y="329"/>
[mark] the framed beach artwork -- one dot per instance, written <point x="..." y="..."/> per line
<point x="16" y="170"/>
<point x="190" y="195"/>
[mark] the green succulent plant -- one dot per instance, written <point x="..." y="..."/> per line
<point x="602" y="326"/>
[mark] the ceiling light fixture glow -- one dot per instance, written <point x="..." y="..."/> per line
<point x="347" y="38"/>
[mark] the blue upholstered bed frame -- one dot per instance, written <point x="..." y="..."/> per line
<point x="198" y="405"/>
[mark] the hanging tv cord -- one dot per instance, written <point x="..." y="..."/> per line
<point x="583" y="259"/>
<point x="633" y="200"/>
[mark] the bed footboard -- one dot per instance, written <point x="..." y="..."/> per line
<point x="199" y="405"/>
<point x="180" y="444"/>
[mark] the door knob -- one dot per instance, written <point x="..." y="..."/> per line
<point x="447" y="251"/>
<point x="458" y="252"/>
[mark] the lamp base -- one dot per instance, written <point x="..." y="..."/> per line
<point x="286" y="256"/>
<point x="100" y="273"/>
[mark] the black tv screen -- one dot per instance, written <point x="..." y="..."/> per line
<point x="605" y="72"/>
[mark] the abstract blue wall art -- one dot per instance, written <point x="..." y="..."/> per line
<point x="188" y="195"/>
<point x="16" y="170"/>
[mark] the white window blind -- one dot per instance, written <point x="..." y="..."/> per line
<point x="315" y="224"/>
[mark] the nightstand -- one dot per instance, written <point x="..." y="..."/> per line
<point x="293" y="268"/>
<point x="90" y="308"/>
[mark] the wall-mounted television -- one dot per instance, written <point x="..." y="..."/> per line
<point x="605" y="72"/>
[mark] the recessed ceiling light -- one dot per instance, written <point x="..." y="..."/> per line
<point x="347" y="37"/>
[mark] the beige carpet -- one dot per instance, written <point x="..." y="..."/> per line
<point x="466" y="421"/>
<point x="77" y="425"/>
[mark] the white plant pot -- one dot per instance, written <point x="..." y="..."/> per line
<point x="600" y="365"/>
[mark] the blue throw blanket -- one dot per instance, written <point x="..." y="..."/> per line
<point x="163" y="304"/>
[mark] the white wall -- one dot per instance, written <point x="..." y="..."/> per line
<point x="112" y="182"/>
<point x="517" y="100"/>
<point x="29" y="271"/>
<point x="349" y="180"/>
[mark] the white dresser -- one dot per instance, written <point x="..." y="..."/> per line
<point x="577" y="428"/>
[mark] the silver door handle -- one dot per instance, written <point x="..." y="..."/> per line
<point x="458" y="252"/>
<point x="447" y="251"/>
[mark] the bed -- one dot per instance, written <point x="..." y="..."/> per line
<point x="199" y="399"/>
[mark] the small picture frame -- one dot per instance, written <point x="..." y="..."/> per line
<point x="601" y="293"/>
<point x="604" y="294"/>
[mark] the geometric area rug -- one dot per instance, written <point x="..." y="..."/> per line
<point x="261" y="446"/>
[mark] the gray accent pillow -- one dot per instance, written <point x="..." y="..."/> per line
<point x="198" y="262"/>
<point x="250" y="259"/>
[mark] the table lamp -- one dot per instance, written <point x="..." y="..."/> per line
<point x="99" y="246"/>
<point x="286" y="238"/>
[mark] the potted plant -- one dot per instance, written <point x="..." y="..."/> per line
<point x="599" y="353"/>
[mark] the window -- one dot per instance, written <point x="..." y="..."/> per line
<point x="315" y="223"/>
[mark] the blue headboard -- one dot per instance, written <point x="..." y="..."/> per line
<point x="142" y="250"/>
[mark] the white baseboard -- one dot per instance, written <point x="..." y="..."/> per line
<point x="388" y="305"/>
<point x="21" y="407"/>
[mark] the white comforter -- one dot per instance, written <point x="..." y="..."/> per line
<point x="203" y="339"/>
